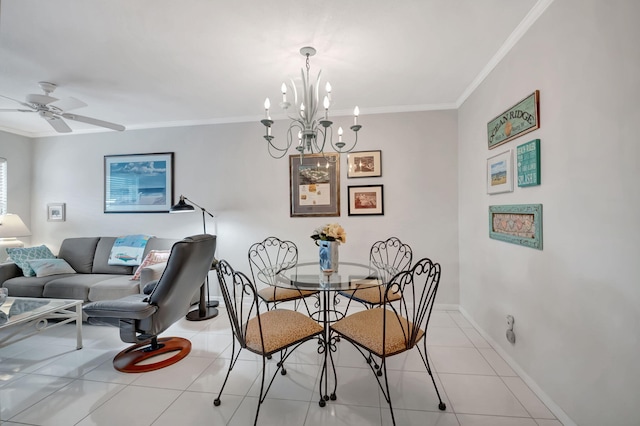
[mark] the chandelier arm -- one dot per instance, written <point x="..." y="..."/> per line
<point x="340" y="149"/>
<point x="280" y="152"/>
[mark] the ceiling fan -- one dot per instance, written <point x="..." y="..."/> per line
<point x="53" y="110"/>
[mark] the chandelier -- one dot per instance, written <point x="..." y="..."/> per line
<point x="309" y="124"/>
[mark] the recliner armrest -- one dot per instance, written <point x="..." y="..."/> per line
<point x="130" y="307"/>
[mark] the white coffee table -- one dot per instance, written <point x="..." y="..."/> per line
<point x="22" y="317"/>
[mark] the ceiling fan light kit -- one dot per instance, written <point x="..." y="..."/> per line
<point x="53" y="110"/>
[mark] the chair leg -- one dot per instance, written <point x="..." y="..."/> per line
<point x="232" y="363"/>
<point x="425" y="359"/>
<point x="386" y="385"/>
<point x="261" y="397"/>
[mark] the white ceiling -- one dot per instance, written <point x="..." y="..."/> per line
<point x="155" y="63"/>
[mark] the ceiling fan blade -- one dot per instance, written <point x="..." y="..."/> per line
<point x="15" y="100"/>
<point x="34" y="98"/>
<point x="68" y="104"/>
<point x="15" y="110"/>
<point x="58" y="124"/>
<point x="93" y="121"/>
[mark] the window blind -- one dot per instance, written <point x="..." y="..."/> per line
<point x="3" y="186"/>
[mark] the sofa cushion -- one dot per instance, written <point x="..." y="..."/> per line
<point x="156" y="243"/>
<point x="74" y="286"/>
<point x="113" y="288"/>
<point x="79" y="252"/>
<point x="28" y="286"/>
<point x="101" y="259"/>
<point x="22" y="255"/>
<point x="46" y="267"/>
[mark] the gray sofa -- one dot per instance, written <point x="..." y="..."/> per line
<point x="94" y="279"/>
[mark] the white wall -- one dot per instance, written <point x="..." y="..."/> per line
<point x="226" y="169"/>
<point x="576" y="303"/>
<point x="18" y="152"/>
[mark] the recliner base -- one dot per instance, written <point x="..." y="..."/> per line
<point x="129" y="359"/>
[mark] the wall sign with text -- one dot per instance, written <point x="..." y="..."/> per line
<point x="521" y="118"/>
<point x="528" y="159"/>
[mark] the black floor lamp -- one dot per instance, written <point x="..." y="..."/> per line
<point x="206" y="308"/>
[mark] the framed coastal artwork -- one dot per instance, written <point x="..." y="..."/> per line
<point x="517" y="224"/>
<point x="138" y="183"/>
<point x="500" y="173"/>
<point x="314" y="185"/>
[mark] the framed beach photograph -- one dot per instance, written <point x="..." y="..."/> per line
<point x="56" y="212"/>
<point x="366" y="200"/>
<point x="500" y="173"/>
<point x="138" y="183"/>
<point x="314" y="185"/>
<point x="364" y="164"/>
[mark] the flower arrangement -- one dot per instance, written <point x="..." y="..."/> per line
<point x="330" y="232"/>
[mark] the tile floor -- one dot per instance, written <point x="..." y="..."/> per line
<point x="44" y="380"/>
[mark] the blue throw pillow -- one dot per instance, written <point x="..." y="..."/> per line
<point x="46" y="267"/>
<point x="22" y="255"/>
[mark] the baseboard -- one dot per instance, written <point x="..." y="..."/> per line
<point x="446" y="307"/>
<point x="552" y="406"/>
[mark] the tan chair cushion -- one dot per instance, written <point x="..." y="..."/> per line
<point x="365" y="329"/>
<point x="282" y="294"/>
<point x="372" y="295"/>
<point x="280" y="328"/>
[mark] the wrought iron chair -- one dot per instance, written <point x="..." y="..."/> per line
<point x="388" y="257"/>
<point x="392" y="329"/>
<point x="266" y="259"/>
<point x="273" y="331"/>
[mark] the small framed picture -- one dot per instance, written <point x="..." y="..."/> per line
<point x="500" y="173"/>
<point x="364" y="164"/>
<point x="365" y="200"/>
<point x="56" y="212"/>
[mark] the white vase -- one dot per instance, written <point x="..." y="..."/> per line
<point x="329" y="255"/>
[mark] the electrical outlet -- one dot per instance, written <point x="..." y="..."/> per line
<point x="511" y="336"/>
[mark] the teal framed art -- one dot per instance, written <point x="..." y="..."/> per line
<point x="517" y="224"/>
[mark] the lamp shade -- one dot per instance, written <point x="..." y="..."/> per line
<point x="12" y="226"/>
<point x="182" y="207"/>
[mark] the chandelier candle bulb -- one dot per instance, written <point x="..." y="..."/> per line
<point x="326" y="107"/>
<point x="267" y="105"/>
<point x="283" y="88"/>
<point x="339" y="134"/>
<point x="328" y="89"/>
<point x="356" y="113"/>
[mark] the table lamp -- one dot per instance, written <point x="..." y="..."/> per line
<point x="11" y="226"/>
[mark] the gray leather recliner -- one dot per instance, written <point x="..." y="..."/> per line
<point x="142" y="317"/>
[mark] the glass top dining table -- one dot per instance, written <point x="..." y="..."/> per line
<point x="308" y="276"/>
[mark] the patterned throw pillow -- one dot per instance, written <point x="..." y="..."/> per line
<point x="46" y="267"/>
<point x="22" y="255"/>
<point x="153" y="257"/>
